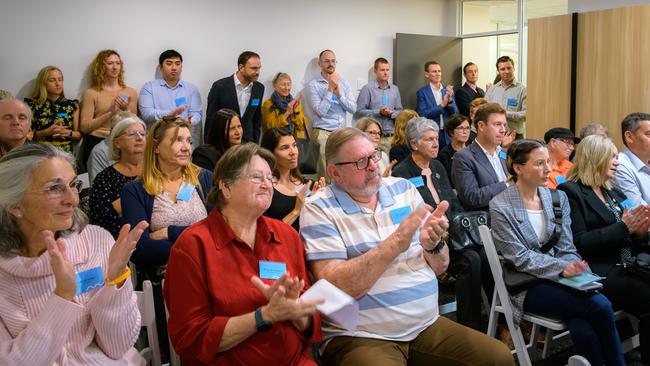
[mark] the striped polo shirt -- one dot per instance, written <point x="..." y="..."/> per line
<point x="404" y="300"/>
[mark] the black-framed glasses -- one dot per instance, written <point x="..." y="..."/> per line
<point x="365" y="161"/>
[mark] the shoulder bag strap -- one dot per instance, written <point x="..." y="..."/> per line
<point x="557" y="222"/>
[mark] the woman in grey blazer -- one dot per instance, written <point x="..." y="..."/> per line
<point x="522" y="222"/>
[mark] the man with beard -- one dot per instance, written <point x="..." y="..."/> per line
<point x="375" y="239"/>
<point x="560" y="143"/>
<point x="170" y="96"/>
<point x="331" y="99"/>
<point x="15" y="123"/>
<point x="479" y="170"/>
<point x="242" y="93"/>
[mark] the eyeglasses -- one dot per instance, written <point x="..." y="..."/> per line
<point x="57" y="190"/>
<point x="569" y="142"/>
<point x="374" y="133"/>
<point x="365" y="161"/>
<point x="259" y="178"/>
<point x="133" y="134"/>
<point x="463" y="128"/>
<point x="327" y="61"/>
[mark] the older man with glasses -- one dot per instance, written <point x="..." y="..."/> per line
<point x="560" y="143"/>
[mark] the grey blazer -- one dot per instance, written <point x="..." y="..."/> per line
<point x="474" y="177"/>
<point x="515" y="238"/>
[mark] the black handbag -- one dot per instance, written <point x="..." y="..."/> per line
<point x="639" y="266"/>
<point x="463" y="230"/>
<point x="516" y="281"/>
<point x="308" y="152"/>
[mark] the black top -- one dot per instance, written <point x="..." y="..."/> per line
<point x="445" y="157"/>
<point x="281" y="206"/>
<point x="399" y="153"/>
<point x="107" y="187"/>
<point x="206" y="156"/>
<point x="465" y="95"/>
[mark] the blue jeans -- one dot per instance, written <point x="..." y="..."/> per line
<point x="588" y="315"/>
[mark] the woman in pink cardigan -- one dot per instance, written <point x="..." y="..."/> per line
<point x="66" y="297"/>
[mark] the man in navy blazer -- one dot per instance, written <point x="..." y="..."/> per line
<point x="479" y="170"/>
<point x="242" y="93"/>
<point x="435" y="102"/>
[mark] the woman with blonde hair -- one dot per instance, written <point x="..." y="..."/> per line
<point x="108" y="94"/>
<point x="282" y="109"/>
<point x="399" y="148"/>
<point x="55" y="119"/>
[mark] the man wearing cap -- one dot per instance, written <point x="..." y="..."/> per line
<point x="560" y="143"/>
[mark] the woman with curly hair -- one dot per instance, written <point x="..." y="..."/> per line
<point x="108" y="94"/>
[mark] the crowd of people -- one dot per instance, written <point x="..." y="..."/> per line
<point x="237" y="233"/>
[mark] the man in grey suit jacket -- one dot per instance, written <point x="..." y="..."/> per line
<point x="479" y="170"/>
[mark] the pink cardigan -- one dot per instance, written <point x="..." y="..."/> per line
<point x="38" y="327"/>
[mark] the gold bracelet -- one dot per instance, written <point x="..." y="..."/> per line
<point x="121" y="278"/>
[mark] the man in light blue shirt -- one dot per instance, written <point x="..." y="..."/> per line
<point x="170" y="96"/>
<point x="331" y="99"/>
<point x="633" y="172"/>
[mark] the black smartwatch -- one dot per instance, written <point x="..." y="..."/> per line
<point x="260" y="323"/>
<point x="435" y="249"/>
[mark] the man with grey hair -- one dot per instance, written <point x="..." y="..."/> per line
<point x="15" y="124"/>
<point x="633" y="172"/>
<point x="594" y="129"/>
<point x="375" y="239"/>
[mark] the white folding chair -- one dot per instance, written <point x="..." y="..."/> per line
<point x="151" y="353"/>
<point x="175" y="358"/>
<point x="501" y="305"/>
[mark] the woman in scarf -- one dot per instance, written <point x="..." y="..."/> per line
<point x="282" y="109"/>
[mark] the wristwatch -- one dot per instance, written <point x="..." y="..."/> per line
<point x="436" y="249"/>
<point x="260" y="323"/>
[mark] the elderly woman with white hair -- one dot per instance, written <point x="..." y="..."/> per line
<point x="126" y="147"/>
<point x="430" y="178"/>
<point x="67" y="297"/>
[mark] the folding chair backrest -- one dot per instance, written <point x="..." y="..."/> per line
<point x="148" y="319"/>
<point x="495" y="264"/>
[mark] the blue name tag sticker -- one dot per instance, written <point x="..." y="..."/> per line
<point x="627" y="204"/>
<point x="512" y="102"/>
<point x="185" y="192"/>
<point x="334" y="98"/>
<point x="61" y="115"/>
<point x="255" y="102"/>
<point x="560" y="179"/>
<point x="398" y="214"/>
<point x="124" y="97"/>
<point x="272" y="270"/>
<point x="180" y="101"/>
<point x="417" y="181"/>
<point x="89" y="280"/>
<point x="503" y="155"/>
<point x="300" y="189"/>
<point x="384" y="99"/>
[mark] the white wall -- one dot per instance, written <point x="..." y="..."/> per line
<point x="580" y="6"/>
<point x="288" y="34"/>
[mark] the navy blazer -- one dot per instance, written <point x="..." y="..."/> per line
<point x="465" y="95"/>
<point x="474" y="177"/>
<point x="224" y="95"/>
<point x="427" y="107"/>
<point x="137" y="205"/>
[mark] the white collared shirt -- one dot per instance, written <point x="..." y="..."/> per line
<point x="495" y="160"/>
<point x="633" y="178"/>
<point x="437" y="93"/>
<point x="243" y="94"/>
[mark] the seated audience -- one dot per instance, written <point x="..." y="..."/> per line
<point x="594" y="129"/>
<point x="289" y="188"/>
<point x="633" y="172"/>
<point x="473" y="106"/>
<point x="220" y="311"/>
<point x="15" y="122"/>
<point x="99" y="157"/>
<point x="560" y="143"/>
<point x="479" y="170"/>
<point x="399" y="149"/>
<point x="107" y="95"/>
<point x="607" y="231"/>
<point x="55" y="119"/>
<point x="375" y="132"/>
<point x="282" y="109"/>
<point x="225" y="131"/>
<point x="127" y="148"/>
<point x="458" y="127"/>
<point x="4" y="94"/>
<point x="522" y="225"/>
<point x="47" y="317"/>
<point x="372" y="237"/>
<point x="470" y="267"/>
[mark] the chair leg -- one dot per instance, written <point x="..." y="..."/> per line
<point x="520" y="345"/>
<point x="547" y="343"/>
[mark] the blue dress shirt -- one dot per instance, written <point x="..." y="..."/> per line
<point x="330" y="110"/>
<point x="157" y="99"/>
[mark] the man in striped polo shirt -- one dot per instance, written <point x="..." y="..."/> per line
<point x="375" y="239"/>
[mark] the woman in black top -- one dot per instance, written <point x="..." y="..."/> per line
<point x="459" y="129"/>
<point x="289" y="188"/>
<point x="225" y="131"/>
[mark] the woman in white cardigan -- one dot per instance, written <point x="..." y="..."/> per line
<point x="67" y="298"/>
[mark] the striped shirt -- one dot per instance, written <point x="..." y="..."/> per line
<point x="404" y="300"/>
<point x="38" y="327"/>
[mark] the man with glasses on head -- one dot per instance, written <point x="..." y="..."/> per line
<point x="15" y="124"/>
<point x="331" y="99"/>
<point x="560" y="143"/>
<point x="375" y="239"/>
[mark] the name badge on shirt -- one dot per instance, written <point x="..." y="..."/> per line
<point x="384" y="99"/>
<point x="180" y="101"/>
<point x="512" y="102"/>
<point x="61" y="115"/>
<point x="334" y="98"/>
<point x="398" y="214"/>
<point x="124" y="97"/>
<point x="89" y="280"/>
<point x="255" y="102"/>
<point x="503" y="155"/>
<point x="417" y="181"/>
<point x="627" y="204"/>
<point x="272" y="270"/>
<point x="560" y="179"/>
<point x="185" y="192"/>
<point x="299" y="189"/>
